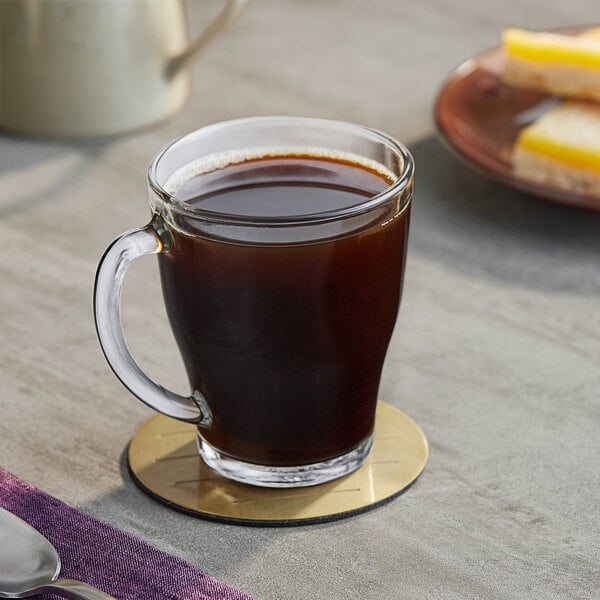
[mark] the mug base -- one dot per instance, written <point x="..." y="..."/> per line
<point x="284" y="477"/>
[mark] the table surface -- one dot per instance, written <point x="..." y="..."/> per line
<point x="495" y="353"/>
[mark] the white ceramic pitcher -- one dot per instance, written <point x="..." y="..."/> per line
<point x="73" y="68"/>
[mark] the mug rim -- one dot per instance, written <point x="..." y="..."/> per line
<point x="398" y="188"/>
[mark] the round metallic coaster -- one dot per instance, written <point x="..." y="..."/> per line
<point x="164" y="462"/>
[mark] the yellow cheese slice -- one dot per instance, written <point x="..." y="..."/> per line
<point x="545" y="47"/>
<point x="568" y="133"/>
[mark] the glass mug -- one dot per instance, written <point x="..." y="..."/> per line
<point x="281" y="244"/>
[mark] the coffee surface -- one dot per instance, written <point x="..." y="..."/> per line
<point x="282" y="187"/>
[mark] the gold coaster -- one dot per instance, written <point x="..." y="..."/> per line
<point x="164" y="462"/>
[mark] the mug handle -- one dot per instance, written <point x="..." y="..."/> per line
<point x="152" y="239"/>
<point x="230" y="11"/>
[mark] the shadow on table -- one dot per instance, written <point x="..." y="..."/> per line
<point x="217" y="548"/>
<point x="470" y="224"/>
<point x="41" y="168"/>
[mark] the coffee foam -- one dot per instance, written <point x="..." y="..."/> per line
<point x="215" y="162"/>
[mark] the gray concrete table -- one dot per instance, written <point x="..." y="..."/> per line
<point x="495" y="353"/>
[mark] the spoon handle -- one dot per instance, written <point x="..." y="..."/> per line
<point x="77" y="590"/>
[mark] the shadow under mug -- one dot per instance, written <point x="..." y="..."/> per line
<point x="283" y="321"/>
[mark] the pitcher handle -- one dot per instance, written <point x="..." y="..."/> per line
<point x="228" y="14"/>
<point x="152" y="239"/>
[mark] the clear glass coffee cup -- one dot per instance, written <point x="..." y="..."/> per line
<point x="281" y="244"/>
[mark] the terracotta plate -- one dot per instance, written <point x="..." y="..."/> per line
<point x="479" y="117"/>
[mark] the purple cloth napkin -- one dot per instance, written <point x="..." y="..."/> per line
<point x="110" y="559"/>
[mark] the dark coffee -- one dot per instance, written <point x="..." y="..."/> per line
<point x="286" y="341"/>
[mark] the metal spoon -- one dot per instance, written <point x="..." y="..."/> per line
<point x="30" y="565"/>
